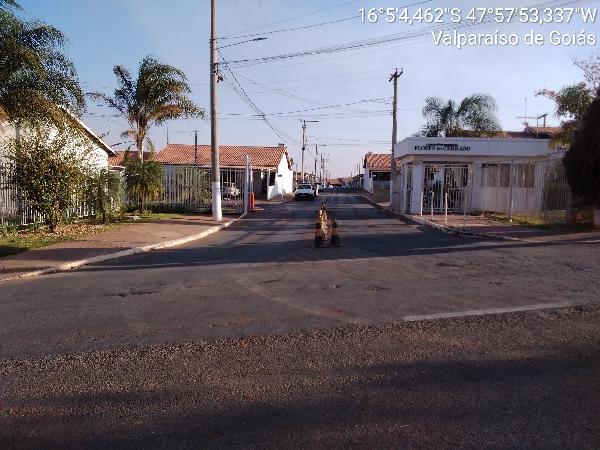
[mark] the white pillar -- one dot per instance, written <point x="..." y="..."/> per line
<point x="417" y="188"/>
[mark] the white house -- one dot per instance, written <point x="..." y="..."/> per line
<point x="99" y="151"/>
<point x="428" y="168"/>
<point x="272" y="172"/>
<point x="377" y="171"/>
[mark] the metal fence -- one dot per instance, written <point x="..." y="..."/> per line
<point x="187" y="188"/>
<point x="535" y="191"/>
<point x="16" y="210"/>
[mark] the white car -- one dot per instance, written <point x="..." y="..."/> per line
<point x="230" y="189"/>
<point x="304" y="191"/>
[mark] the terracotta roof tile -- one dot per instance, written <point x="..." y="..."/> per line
<point x="378" y="161"/>
<point x="550" y="131"/>
<point x="229" y="156"/>
<point x="118" y="160"/>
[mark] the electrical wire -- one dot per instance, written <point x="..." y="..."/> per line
<point x="381" y="40"/>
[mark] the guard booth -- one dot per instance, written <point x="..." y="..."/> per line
<point x="429" y="168"/>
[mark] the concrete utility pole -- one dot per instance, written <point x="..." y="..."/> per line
<point x="304" y="122"/>
<point x="394" y="77"/>
<point x="316" y="158"/>
<point x="215" y="177"/>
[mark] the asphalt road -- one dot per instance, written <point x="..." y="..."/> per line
<point x="523" y="380"/>
<point x="263" y="276"/>
<point x="252" y="338"/>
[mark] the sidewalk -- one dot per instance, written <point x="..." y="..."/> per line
<point x="479" y="226"/>
<point x="485" y="227"/>
<point x="134" y="238"/>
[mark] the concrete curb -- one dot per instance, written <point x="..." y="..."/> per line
<point x="131" y="251"/>
<point x="459" y="232"/>
<point x="442" y="228"/>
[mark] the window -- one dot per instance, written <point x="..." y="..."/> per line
<point x="496" y="175"/>
<point x="381" y="176"/>
<point x="525" y="175"/>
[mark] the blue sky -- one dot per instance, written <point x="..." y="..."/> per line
<point x="103" y="33"/>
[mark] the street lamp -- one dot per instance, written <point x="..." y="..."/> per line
<point x="215" y="176"/>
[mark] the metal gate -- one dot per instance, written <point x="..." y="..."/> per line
<point x="187" y="188"/>
<point x="455" y="180"/>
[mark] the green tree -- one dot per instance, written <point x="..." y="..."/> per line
<point x="104" y="193"/>
<point x="473" y="116"/>
<point x="143" y="179"/>
<point x="582" y="160"/>
<point x="573" y="101"/>
<point x="37" y="82"/>
<point x="159" y="93"/>
<point x="50" y="169"/>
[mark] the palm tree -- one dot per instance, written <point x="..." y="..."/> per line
<point x="37" y="82"/>
<point x="473" y="116"/>
<point x="159" y="94"/>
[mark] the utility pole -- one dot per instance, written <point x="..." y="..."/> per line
<point x="316" y="158"/>
<point x="394" y="77"/>
<point x="304" y="122"/>
<point x="215" y="176"/>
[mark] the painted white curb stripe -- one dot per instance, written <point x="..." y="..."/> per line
<point x="132" y="251"/>
<point x="483" y="312"/>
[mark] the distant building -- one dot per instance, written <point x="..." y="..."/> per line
<point x="377" y="171"/>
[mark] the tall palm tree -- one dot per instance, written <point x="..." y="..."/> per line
<point x="160" y="93"/>
<point x="37" y="82"/>
<point x="473" y="116"/>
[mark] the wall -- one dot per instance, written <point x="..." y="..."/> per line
<point x="283" y="183"/>
<point x="367" y="180"/>
<point x="97" y="158"/>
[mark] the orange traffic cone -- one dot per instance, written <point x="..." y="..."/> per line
<point x="319" y="239"/>
<point x="335" y="237"/>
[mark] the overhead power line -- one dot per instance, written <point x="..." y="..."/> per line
<point x="239" y="89"/>
<point x="305" y="27"/>
<point x="381" y="40"/>
<point x="289" y="19"/>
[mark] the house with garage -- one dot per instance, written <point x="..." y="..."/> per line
<point x="272" y="173"/>
<point x="376" y="171"/>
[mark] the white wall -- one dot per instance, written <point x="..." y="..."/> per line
<point x="367" y="180"/>
<point x="283" y="183"/>
<point x="494" y="147"/>
<point x="97" y="157"/>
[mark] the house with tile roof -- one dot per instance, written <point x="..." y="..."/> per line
<point x="377" y="171"/>
<point x="99" y="151"/>
<point x="271" y="166"/>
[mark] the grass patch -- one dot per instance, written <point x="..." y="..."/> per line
<point x="29" y="239"/>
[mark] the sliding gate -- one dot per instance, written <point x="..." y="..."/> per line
<point x="455" y="180"/>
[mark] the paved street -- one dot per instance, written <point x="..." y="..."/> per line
<point x="263" y="275"/>
<point x="253" y="337"/>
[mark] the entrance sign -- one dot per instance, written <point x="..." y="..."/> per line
<point x="442" y="148"/>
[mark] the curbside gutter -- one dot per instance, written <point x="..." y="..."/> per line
<point x="443" y="228"/>
<point x="131" y="251"/>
